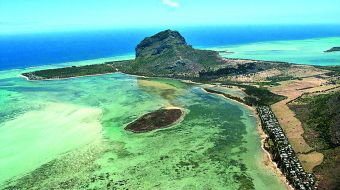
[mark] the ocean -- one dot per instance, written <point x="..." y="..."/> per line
<point x="27" y="50"/>
<point x="69" y="134"/>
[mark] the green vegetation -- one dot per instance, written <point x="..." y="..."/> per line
<point x="231" y="70"/>
<point x="178" y="62"/>
<point x="74" y="71"/>
<point x="160" y="42"/>
<point x="334" y="70"/>
<point x="226" y="95"/>
<point x="320" y="117"/>
<point x="333" y="49"/>
<point x="329" y="169"/>
<point x="256" y="96"/>
<point x="324" y="116"/>
<point x="320" y="113"/>
<point x="155" y="120"/>
<point x="274" y="80"/>
<point x="165" y="54"/>
<point x="245" y="181"/>
<point x="261" y="96"/>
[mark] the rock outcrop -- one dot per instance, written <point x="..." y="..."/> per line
<point x="167" y="54"/>
<point x="159" y="43"/>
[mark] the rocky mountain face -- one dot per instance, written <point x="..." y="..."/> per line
<point x="167" y="54"/>
<point x="159" y="43"/>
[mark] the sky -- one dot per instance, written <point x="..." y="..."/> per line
<point x="40" y="15"/>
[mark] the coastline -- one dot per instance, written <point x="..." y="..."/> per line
<point x="21" y="75"/>
<point x="166" y="107"/>
<point x="264" y="130"/>
<point x="223" y="102"/>
<point x="267" y="159"/>
<point x="137" y="76"/>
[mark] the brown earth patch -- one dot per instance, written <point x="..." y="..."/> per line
<point x="310" y="160"/>
<point x="291" y="125"/>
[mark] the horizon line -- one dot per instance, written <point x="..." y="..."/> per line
<point x="89" y="28"/>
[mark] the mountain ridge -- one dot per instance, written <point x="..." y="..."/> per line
<point x="167" y="54"/>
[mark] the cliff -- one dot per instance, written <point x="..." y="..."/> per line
<point x="159" y="43"/>
<point x="168" y="54"/>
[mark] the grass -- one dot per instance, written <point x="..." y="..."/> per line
<point x="261" y="96"/>
<point x="75" y="71"/>
<point x="274" y="80"/>
<point x="321" y="114"/>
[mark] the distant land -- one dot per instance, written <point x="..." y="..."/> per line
<point x="274" y="88"/>
<point x="333" y="49"/>
<point x="167" y="54"/>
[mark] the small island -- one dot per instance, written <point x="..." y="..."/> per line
<point x="159" y="119"/>
<point x="333" y="49"/>
<point x="225" y="52"/>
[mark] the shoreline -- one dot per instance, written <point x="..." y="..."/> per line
<point x="166" y="107"/>
<point x="21" y="75"/>
<point x="137" y="76"/>
<point x="267" y="159"/>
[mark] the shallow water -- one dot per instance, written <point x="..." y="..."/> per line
<point x="69" y="134"/>
<point x="309" y="51"/>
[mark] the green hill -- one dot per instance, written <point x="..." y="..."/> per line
<point x="168" y="54"/>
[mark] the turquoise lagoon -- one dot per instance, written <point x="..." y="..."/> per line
<point x="307" y="51"/>
<point x="68" y="134"/>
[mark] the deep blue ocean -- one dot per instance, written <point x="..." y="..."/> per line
<point x="25" y="50"/>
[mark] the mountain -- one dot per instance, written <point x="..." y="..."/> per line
<point x="168" y="54"/>
<point x="159" y="43"/>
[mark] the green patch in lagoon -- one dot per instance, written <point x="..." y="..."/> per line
<point x="214" y="147"/>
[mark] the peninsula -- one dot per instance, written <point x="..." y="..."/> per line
<point x="270" y="87"/>
<point x="333" y="49"/>
<point x="167" y="54"/>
